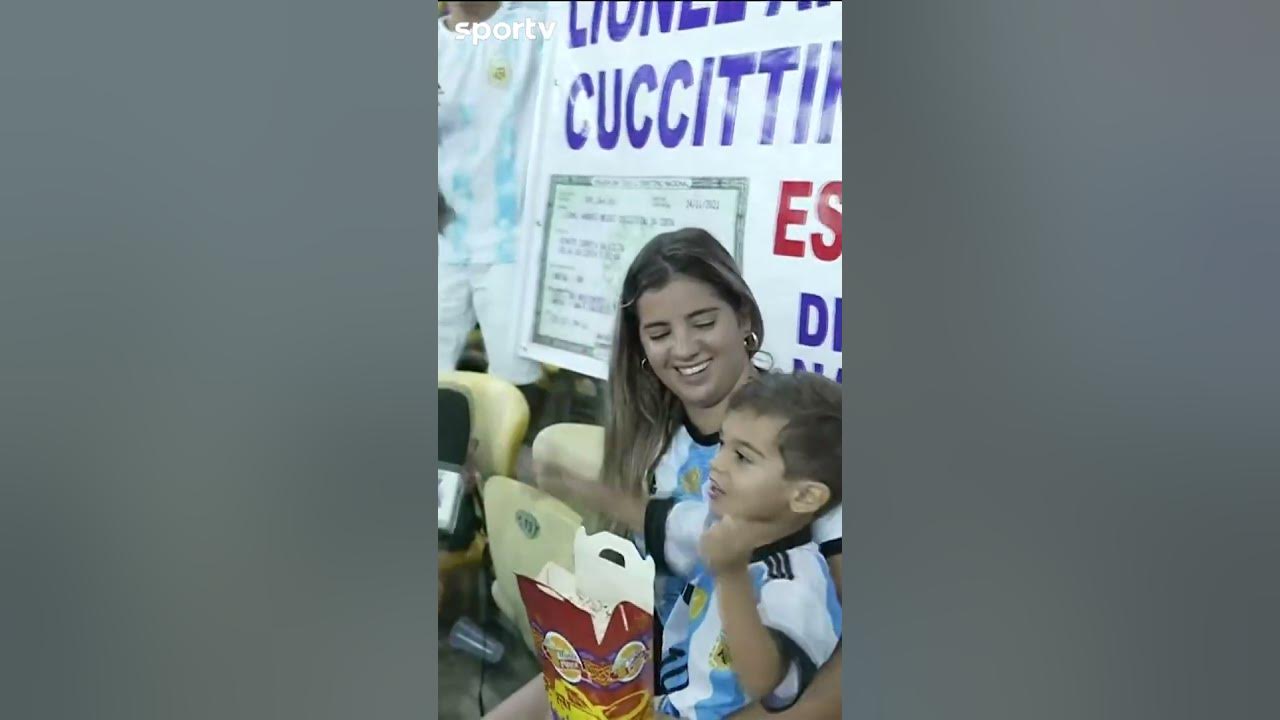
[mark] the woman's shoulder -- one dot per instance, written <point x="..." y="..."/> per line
<point x="667" y="470"/>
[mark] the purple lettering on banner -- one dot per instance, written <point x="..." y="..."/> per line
<point x="619" y="28"/>
<point x="774" y="7"/>
<point x="647" y="76"/>
<point x="608" y="136"/>
<point x="577" y="35"/>
<point x="822" y="3"/>
<point x="666" y="16"/>
<point x="803" y="4"/>
<point x="577" y="138"/>
<point x="728" y="11"/>
<point x="832" y="97"/>
<point x="807" y="85"/>
<point x="597" y="8"/>
<point x="776" y="63"/>
<point x="704" y="95"/>
<point x="838" y="326"/>
<point x="797" y="365"/>
<point x="733" y="68"/>
<point x="671" y="135"/>
<point x="812" y="307"/>
<point x="692" y="18"/>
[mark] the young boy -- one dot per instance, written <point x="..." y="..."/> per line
<point x="755" y="623"/>
<point x="759" y="613"/>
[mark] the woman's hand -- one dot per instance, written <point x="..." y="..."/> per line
<point x="590" y="494"/>
<point x="552" y="478"/>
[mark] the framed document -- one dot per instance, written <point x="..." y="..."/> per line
<point x="595" y="226"/>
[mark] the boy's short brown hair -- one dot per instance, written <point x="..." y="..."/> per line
<point x="809" y="404"/>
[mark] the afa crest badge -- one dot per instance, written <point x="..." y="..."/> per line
<point x="691" y="481"/>
<point x="697" y="603"/>
<point x="720" y="659"/>
<point x="499" y="72"/>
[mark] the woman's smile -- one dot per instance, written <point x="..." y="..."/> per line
<point x="692" y="370"/>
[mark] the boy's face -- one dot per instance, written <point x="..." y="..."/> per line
<point x="748" y="475"/>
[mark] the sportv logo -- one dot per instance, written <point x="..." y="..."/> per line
<point x="528" y="29"/>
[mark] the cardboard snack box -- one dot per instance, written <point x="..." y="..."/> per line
<point x="593" y="630"/>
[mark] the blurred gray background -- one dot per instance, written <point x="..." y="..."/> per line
<point x="1066" y="423"/>
<point x="216" y="361"/>
<point x="215" y="356"/>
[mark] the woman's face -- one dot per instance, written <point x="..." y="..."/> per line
<point x="694" y="341"/>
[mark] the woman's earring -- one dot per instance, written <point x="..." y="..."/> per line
<point x="644" y="363"/>
<point x="752" y="342"/>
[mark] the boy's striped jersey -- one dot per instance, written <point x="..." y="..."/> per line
<point x="682" y="474"/>
<point x="796" y="598"/>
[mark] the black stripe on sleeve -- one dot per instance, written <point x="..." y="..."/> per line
<point x="673" y="672"/>
<point x="806" y="667"/>
<point x="832" y="548"/>
<point x="778" y="567"/>
<point x="656" y="513"/>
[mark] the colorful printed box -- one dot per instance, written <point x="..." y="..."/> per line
<point x="593" y="629"/>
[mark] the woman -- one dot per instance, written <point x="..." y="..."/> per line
<point x="688" y="328"/>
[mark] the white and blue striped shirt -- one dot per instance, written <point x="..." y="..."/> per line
<point x="796" y="598"/>
<point x="487" y="93"/>
<point x="682" y="474"/>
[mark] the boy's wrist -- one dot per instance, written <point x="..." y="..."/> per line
<point x="735" y="574"/>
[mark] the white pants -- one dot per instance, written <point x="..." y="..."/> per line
<point x="491" y="294"/>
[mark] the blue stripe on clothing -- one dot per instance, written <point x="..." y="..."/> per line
<point x="462" y="199"/>
<point x="507" y="189"/>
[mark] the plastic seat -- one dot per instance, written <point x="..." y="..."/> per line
<point x="500" y="417"/>
<point x="576" y="446"/>
<point x="527" y="529"/>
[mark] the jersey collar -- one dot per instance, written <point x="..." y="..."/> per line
<point x="801" y="537"/>
<point x="701" y="438"/>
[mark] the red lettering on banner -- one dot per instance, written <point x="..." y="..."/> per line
<point x="788" y="215"/>
<point x="832" y="215"/>
<point x="830" y="212"/>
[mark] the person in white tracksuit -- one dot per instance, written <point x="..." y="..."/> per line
<point x="487" y="92"/>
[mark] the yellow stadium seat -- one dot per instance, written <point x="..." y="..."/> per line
<point x="527" y="529"/>
<point x="573" y="445"/>
<point x="499" y="422"/>
<point x="500" y="417"/>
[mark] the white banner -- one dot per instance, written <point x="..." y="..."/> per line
<point x="658" y="116"/>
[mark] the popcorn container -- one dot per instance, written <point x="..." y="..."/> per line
<point x="593" y="630"/>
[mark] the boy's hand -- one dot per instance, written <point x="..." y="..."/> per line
<point x="728" y="545"/>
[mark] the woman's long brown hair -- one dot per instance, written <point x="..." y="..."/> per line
<point x="641" y="413"/>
